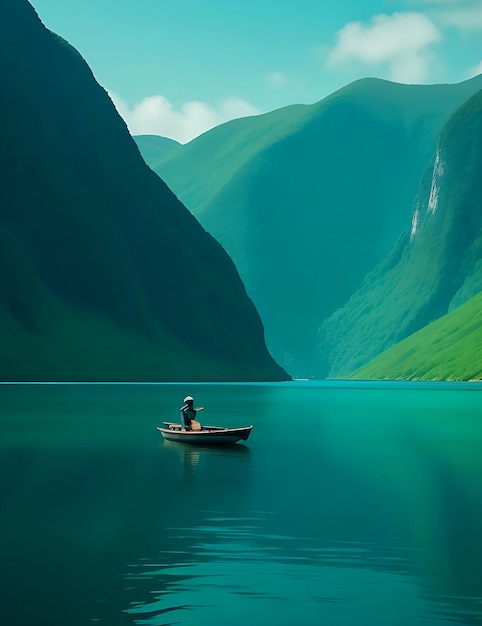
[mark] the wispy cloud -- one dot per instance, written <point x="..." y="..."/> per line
<point x="475" y="71"/>
<point x="461" y="14"/>
<point x="277" y="79"/>
<point x="155" y="115"/>
<point x="401" y="42"/>
<point x="465" y="18"/>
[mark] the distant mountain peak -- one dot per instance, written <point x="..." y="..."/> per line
<point x="308" y="199"/>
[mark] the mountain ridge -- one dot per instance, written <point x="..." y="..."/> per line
<point x="309" y="198"/>
<point x="434" y="266"/>
<point x="96" y="240"/>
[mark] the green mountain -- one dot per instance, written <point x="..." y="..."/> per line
<point x="434" y="267"/>
<point x="154" y="148"/>
<point x="104" y="274"/>
<point x="448" y="349"/>
<point x="308" y="199"/>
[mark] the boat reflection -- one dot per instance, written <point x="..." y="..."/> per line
<point x="190" y="457"/>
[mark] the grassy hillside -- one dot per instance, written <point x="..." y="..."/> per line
<point x="448" y="349"/>
<point x="434" y="266"/>
<point x="104" y="273"/>
<point x="309" y="198"/>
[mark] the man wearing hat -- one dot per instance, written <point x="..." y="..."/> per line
<point x="188" y="412"/>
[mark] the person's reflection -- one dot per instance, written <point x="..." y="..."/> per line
<point x="190" y="461"/>
<point x="190" y="457"/>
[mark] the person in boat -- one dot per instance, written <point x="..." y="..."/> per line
<point x="188" y="412"/>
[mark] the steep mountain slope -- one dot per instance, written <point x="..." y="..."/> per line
<point x="104" y="274"/>
<point x="433" y="268"/>
<point x="307" y="199"/>
<point x="448" y="349"/>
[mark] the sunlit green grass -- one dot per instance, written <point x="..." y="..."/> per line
<point x="448" y="349"/>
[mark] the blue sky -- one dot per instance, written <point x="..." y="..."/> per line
<point x="179" y="67"/>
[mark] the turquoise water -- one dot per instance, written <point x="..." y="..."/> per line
<point x="348" y="505"/>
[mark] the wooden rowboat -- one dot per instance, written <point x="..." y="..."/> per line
<point x="207" y="435"/>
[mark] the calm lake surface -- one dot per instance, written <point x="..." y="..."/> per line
<point x="348" y="505"/>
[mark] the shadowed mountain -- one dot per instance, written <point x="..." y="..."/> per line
<point x="104" y="274"/>
<point x="309" y="198"/>
<point x="433" y="268"/>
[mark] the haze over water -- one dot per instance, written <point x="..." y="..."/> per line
<point x="351" y="504"/>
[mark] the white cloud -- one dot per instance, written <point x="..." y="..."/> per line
<point x="155" y="115"/>
<point x="277" y="79"/>
<point x="401" y="41"/>
<point x="475" y="71"/>
<point x="232" y="108"/>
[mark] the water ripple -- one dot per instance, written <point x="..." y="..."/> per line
<point x="234" y="573"/>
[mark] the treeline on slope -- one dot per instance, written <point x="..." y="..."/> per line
<point x="104" y="274"/>
<point x="309" y="198"/>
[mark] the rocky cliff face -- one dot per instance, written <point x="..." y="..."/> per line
<point x="104" y="274"/>
<point x="437" y="263"/>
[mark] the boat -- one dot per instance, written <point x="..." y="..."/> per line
<point x="204" y="435"/>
